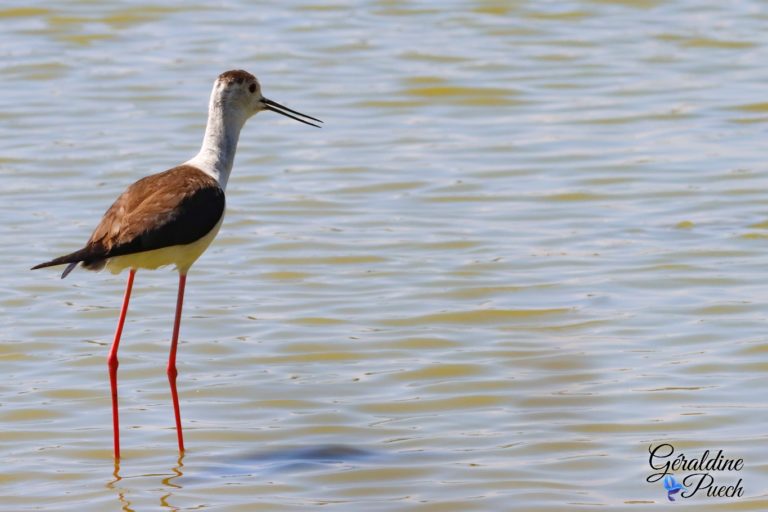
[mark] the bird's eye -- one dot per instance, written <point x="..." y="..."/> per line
<point x="252" y="88"/>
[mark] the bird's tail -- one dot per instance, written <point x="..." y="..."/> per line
<point x="72" y="259"/>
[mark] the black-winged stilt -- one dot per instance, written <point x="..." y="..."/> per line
<point x="173" y="216"/>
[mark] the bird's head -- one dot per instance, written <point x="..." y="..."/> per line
<point x="240" y="91"/>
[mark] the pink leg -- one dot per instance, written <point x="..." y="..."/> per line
<point x="172" y="373"/>
<point x="112" y="362"/>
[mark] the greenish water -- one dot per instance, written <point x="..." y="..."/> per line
<point x="529" y="242"/>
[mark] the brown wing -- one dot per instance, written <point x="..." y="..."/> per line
<point x="175" y="207"/>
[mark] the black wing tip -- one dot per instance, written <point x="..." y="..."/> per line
<point x="46" y="264"/>
<point x="69" y="269"/>
<point x="71" y="260"/>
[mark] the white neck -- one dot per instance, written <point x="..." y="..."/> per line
<point x="217" y="153"/>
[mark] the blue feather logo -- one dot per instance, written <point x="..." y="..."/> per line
<point x="672" y="486"/>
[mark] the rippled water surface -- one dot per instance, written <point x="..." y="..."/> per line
<point x="529" y="242"/>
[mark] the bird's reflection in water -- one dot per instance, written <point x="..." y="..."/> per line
<point x="113" y="485"/>
<point x="293" y="459"/>
<point x="168" y="482"/>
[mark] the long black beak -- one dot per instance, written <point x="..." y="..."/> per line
<point x="276" y="107"/>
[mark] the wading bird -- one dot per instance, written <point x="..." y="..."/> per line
<point x="171" y="217"/>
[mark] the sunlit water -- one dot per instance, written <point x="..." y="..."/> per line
<point x="529" y="242"/>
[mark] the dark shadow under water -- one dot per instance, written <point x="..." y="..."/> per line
<point x="290" y="459"/>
